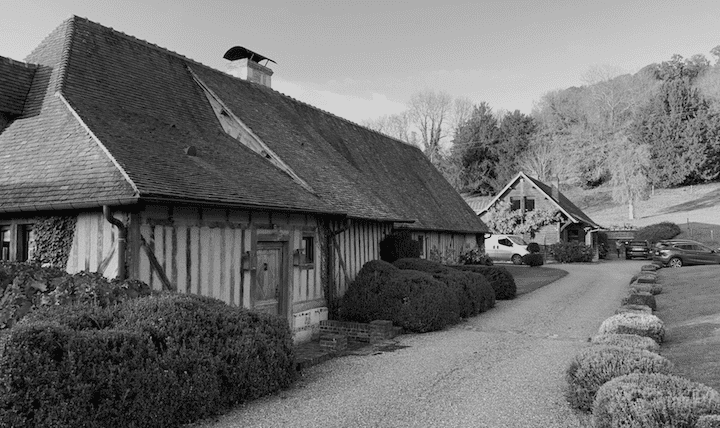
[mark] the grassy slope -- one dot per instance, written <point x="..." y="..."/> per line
<point x="695" y="208"/>
<point x="690" y="307"/>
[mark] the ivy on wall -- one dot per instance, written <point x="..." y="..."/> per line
<point x="53" y="240"/>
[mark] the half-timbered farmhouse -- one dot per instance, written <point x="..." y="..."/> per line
<point x="527" y="194"/>
<point x="199" y="181"/>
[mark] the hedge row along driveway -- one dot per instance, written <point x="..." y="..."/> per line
<point x="502" y="368"/>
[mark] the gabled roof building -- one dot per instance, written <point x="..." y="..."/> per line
<point x="199" y="181"/>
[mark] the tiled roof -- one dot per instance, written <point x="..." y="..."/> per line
<point x="144" y="107"/>
<point x="15" y="80"/>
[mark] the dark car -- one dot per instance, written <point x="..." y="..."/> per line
<point x="637" y="249"/>
<point x="680" y="252"/>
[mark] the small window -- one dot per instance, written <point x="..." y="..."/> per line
<point x="514" y="203"/>
<point x="529" y="204"/>
<point x="5" y="241"/>
<point x="421" y="241"/>
<point x="573" y="235"/>
<point x="308" y="245"/>
<point x="26" y="242"/>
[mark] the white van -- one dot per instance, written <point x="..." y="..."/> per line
<point x="506" y="248"/>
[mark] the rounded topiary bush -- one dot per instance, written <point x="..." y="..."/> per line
<point x="653" y="289"/>
<point x="626" y="341"/>
<point x="398" y="245"/>
<point x="640" y="298"/>
<point x="418" y="302"/>
<point x="633" y="323"/>
<point x="157" y="361"/>
<point x="594" y="366"/>
<point x="658" y="232"/>
<point x="533" y="259"/>
<point x="500" y="279"/>
<point x="638" y="309"/>
<point x="653" y="400"/>
<point x="708" y="421"/>
<point x="646" y="278"/>
<point x="473" y="291"/>
<point x="649" y="268"/>
<point x="363" y="300"/>
<point x="533" y="247"/>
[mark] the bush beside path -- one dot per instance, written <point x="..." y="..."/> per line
<point x="502" y="368"/>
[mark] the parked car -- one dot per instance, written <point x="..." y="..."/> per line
<point x="637" y="249"/>
<point x="506" y="248"/>
<point x="680" y="252"/>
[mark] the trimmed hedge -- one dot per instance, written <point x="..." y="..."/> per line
<point x="473" y="291"/>
<point x="637" y="309"/>
<point x="653" y="289"/>
<point x="533" y="259"/>
<point x="571" y="252"/>
<point x="596" y="365"/>
<point x="633" y="323"/>
<point x="626" y="341"/>
<point x="156" y="361"/>
<point x="653" y="400"/>
<point x="640" y="298"/>
<point x="398" y="245"/>
<point x="413" y="300"/>
<point x="500" y="279"/>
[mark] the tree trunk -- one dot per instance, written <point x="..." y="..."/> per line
<point x="631" y="209"/>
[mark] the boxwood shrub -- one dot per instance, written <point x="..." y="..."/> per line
<point x="653" y="400"/>
<point x="533" y="259"/>
<point x="175" y="358"/>
<point x="594" y="366"/>
<point x="626" y="341"/>
<point x="642" y="324"/>
<point x="653" y="289"/>
<point x="640" y="298"/>
<point x="500" y="279"/>
<point x="411" y="299"/>
<point x="473" y="291"/>
<point x="708" y="421"/>
<point x="657" y="232"/>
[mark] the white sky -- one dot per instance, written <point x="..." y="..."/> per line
<point x="362" y="59"/>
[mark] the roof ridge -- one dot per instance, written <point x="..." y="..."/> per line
<point x="184" y="58"/>
<point x="65" y="55"/>
<point x="19" y="63"/>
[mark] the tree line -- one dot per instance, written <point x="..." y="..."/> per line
<point x="658" y="127"/>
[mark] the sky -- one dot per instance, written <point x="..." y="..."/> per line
<point x="364" y="59"/>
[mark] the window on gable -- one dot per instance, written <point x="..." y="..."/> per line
<point x="514" y="203"/>
<point x="529" y="204"/>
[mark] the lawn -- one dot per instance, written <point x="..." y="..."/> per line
<point x="690" y="307"/>
<point x="530" y="279"/>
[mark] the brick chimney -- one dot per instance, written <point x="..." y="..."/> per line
<point x="245" y="64"/>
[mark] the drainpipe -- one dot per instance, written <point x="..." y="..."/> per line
<point x="122" y="240"/>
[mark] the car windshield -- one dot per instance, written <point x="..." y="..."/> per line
<point x="518" y="240"/>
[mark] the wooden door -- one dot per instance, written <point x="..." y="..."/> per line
<point x="268" y="289"/>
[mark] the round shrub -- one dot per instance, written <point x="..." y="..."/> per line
<point x="649" y="268"/>
<point x="363" y="300"/>
<point x="533" y="247"/>
<point x="398" y="245"/>
<point x="640" y="298"/>
<point x="653" y="400"/>
<point x="626" y="341"/>
<point x="175" y="358"/>
<point x="594" y="366"/>
<point x="419" y="303"/>
<point x="500" y="279"/>
<point x="638" y="309"/>
<point x="646" y="278"/>
<point x="473" y="291"/>
<point x="633" y="323"/>
<point x="708" y="421"/>
<point x="653" y="289"/>
<point x="533" y="259"/>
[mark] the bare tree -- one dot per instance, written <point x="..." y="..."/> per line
<point x="628" y="164"/>
<point x="429" y="112"/>
<point x="394" y="125"/>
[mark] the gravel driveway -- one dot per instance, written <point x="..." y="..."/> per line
<point x="503" y="368"/>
